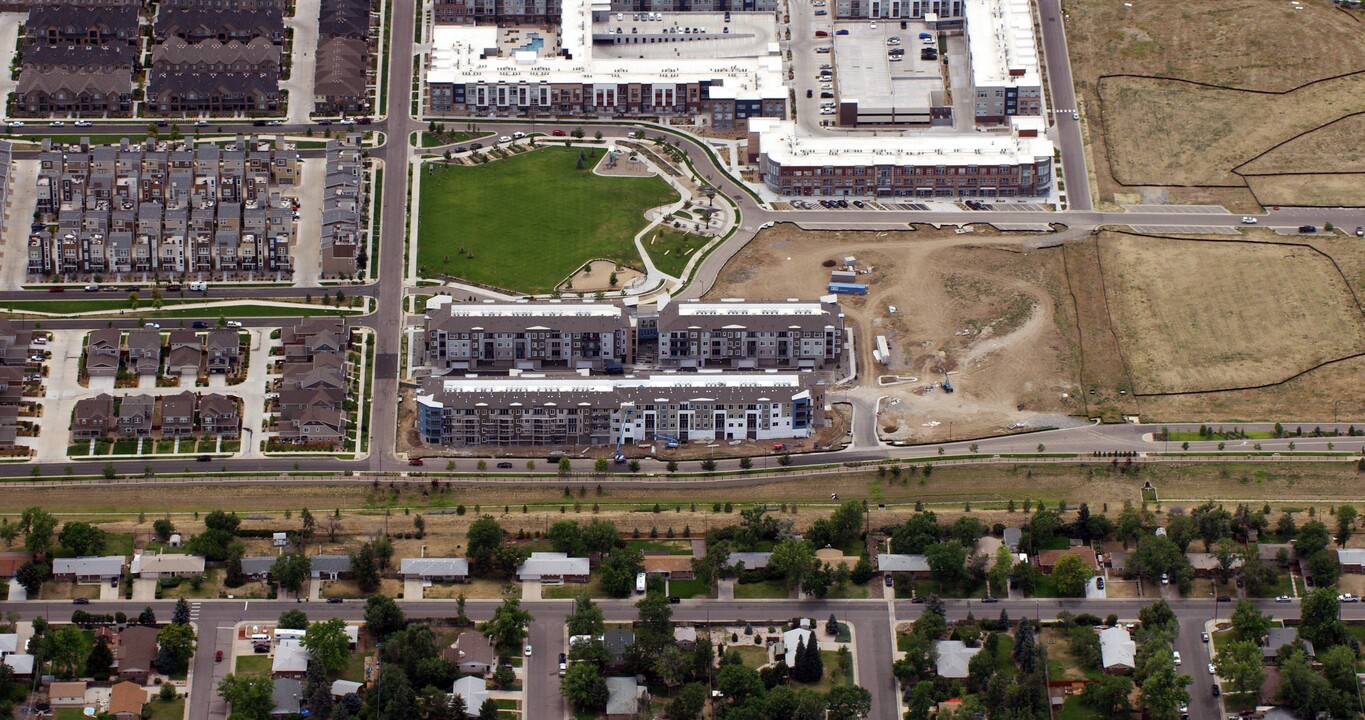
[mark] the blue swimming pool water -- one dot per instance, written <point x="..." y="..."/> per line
<point x="535" y="44"/>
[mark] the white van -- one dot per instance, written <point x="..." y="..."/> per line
<point x="640" y="583"/>
<point x="198" y="285"/>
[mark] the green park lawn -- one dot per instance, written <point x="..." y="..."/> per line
<point x="530" y="220"/>
<point x="672" y="249"/>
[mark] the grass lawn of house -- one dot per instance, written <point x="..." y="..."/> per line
<point x="765" y="589"/>
<point x="689" y="589"/>
<point x="530" y="220"/>
<point x="162" y="710"/>
<point x="568" y="591"/>
<point x="254" y="665"/>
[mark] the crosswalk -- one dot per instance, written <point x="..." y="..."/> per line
<point x="194" y="611"/>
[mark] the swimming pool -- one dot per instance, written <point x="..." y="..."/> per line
<point x="534" y="44"/>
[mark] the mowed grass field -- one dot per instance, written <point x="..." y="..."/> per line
<point x="1194" y="315"/>
<point x="1255" y="44"/>
<point x="529" y="221"/>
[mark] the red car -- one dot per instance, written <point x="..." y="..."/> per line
<point x="559" y="133"/>
<point x="218" y="657"/>
<point x="821" y="33"/>
<point x="415" y="462"/>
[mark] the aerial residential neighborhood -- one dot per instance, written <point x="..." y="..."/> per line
<point x="810" y="359"/>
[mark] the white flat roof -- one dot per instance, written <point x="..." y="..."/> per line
<point x="457" y="57"/>
<point x="779" y="140"/>
<point x="483" y="310"/>
<point x="694" y="381"/>
<point x="740" y="308"/>
<point x="1001" y="43"/>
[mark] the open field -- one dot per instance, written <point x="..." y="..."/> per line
<point x="1332" y="148"/>
<point x="671" y="249"/>
<point x="529" y="221"/>
<point x="1309" y="190"/>
<point x="994" y="323"/>
<point x="1195" y="316"/>
<point x="1255" y="44"/>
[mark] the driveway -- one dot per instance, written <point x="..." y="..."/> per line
<point x="307" y="251"/>
<point x="21" y="201"/>
<point x="9" y="35"/>
<point x="112" y="592"/>
<point x="303" y="60"/>
<point x="144" y="589"/>
<point x="414" y="589"/>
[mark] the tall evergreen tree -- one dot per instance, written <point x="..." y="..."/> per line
<point x="1025" y="647"/>
<point x="181" y="615"/>
<point x="815" y="665"/>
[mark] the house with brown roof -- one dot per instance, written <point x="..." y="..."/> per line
<point x="313" y="426"/>
<point x="223" y="351"/>
<point x="219" y="416"/>
<point x="126" y="701"/>
<point x="339" y="83"/>
<point x="66" y="694"/>
<point x="673" y="567"/>
<point x="136" y="650"/>
<point x="473" y="653"/>
<point x="177" y="415"/>
<point x="102" y="353"/>
<point x="185" y="349"/>
<point x="144" y="351"/>
<point x="1047" y="559"/>
<point x="11" y="385"/>
<point x="93" y="417"/>
<point x="135" y="415"/>
<point x="214" y="76"/>
<point x="325" y="370"/>
<point x="297" y="400"/>
<point x="14" y="344"/>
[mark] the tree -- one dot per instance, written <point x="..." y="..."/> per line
<point x="365" y="568"/>
<point x="66" y="649"/>
<point x="1312" y="537"/>
<point x="1305" y="691"/>
<point x="146" y="617"/>
<point x="1227" y="552"/>
<point x="327" y="644"/>
<point x="1213" y="521"/>
<point x="38" y="525"/>
<point x="219" y="520"/>
<point x="565" y="467"/>
<point x="1346" y="520"/>
<point x="688" y="703"/>
<point x="1109" y="695"/>
<point x="1025" y="646"/>
<point x="249" y="696"/>
<point x="489" y="709"/>
<point x="600" y="536"/>
<point x="793" y="559"/>
<point x="672" y="666"/>
<point x="1250" y="623"/>
<point x="483" y="540"/>
<point x="383" y="617"/>
<point x="507" y="627"/>
<point x="31" y="575"/>
<point x="947" y="561"/>
<point x="163" y="528"/>
<point x="290" y="570"/>
<point x="1240" y="664"/>
<point x="654" y="629"/>
<point x="181" y="614"/>
<point x="586" y="618"/>
<point x="178" y="641"/>
<point x="848" y="702"/>
<point x="292" y="620"/>
<point x="99" y="661"/>
<point x="81" y="538"/>
<point x="1158" y="617"/>
<point x="584" y="687"/>
<point x="739" y="683"/>
<point x="618" y="572"/>
<point x="1071" y="574"/>
<point x="309" y="525"/>
<point x="1321" y="619"/>
<point x="566" y="537"/>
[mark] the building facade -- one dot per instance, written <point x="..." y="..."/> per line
<point x="946" y="11"/>
<point x="542" y="411"/>
<point x="734" y="333"/>
<point x="470" y="336"/>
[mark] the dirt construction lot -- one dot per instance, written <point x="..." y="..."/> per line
<point x="1199" y="315"/>
<point x="979" y="305"/>
<point x="1267" y="45"/>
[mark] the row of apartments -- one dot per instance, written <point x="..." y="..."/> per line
<point x="78" y="60"/>
<point x="345" y="44"/>
<point x="185" y="353"/>
<point x="138" y="207"/>
<point x="314" y="383"/>
<point x="564" y="411"/>
<point x="730" y="334"/>
<point x="136" y="416"/>
<point x="344" y="232"/>
<point x="549" y="12"/>
<point x="214" y="59"/>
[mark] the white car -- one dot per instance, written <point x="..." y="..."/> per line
<point x="1248" y="220"/>
<point x="1283" y="599"/>
<point x="1075" y="116"/>
<point x="527" y="651"/>
<point x="56" y="123"/>
<point x="826" y="86"/>
<point x="275" y="123"/>
<point x="1175" y="656"/>
<point x="826" y="66"/>
<point x="151" y="326"/>
<point x="201" y="123"/>
<point x="16" y="123"/>
<point x="84" y="123"/>
<point x="505" y="139"/>
<point x="1212" y="669"/>
<point x="828" y="111"/>
<point x="518" y="135"/>
<point x="234" y="323"/>
<point x="895" y="58"/>
<point x="1347" y="598"/>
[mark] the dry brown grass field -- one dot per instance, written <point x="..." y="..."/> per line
<point x="1334" y="148"/>
<point x="1195" y="315"/>
<point x="1312" y="190"/>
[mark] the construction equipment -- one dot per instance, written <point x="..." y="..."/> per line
<point x="947" y="384"/>
<point x="669" y="442"/>
<point x="628" y="409"/>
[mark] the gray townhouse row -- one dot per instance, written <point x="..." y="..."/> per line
<point x="169" y="210"/>
<point x="311" y="395"/>
<point x="141" y="416"/>
<point x="345" y="235"/>
<point x="185" y="353"/>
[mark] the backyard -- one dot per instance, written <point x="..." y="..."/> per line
<point x="527" y="222"/>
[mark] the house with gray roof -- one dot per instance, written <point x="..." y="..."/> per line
<point x="258" y="566"/>
<point x="102" y="353"/>
<point x="135" y="415"/>
<point x="915" y="565"/>
<point x="617" y="642"/>
<point x="1118" y="652"/>
<point x="474" y="691"/>
<point x="624" y="697"/>
<point x="751" y="560"/>
<point x="329" y="567"/>
<point x="88" y="570"/>
<point x="554" y="566"/>
<point x="144" y="351"/>
<point x="953" y="658"/>
<point x="219" y="416"/>
<point x="287" y="697"/>
<point x="435" y="569"/>
<point x="1278" y="637"/>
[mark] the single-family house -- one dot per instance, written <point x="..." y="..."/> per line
<point x="219" y="417"/>
<point x="126" y="701"/>
<point x="1012" y="537"/>
<point x="474" y="690"/>
<point x="102" y="353"/>
<point x="137" y="649"/>
<point x="791" y="641"/>
<point x="554" y="566"/>
<point x="177" y="415"/>
<point x="1352" y="559"/>
<point x="685" y="637"/>
<point x="673" y="567"/>
<point x="342" y="688"/>
<point x="1118" y="652"/>
<point x="291" y="659"/>
<point x="1207" y="565"/>
<point x="66" y="694"/>
<point x="1278" y="637"/>
<point x="617" y="642"/>
<point x="9" y="644"/>
<point x="257" y="567"/>
<point x="93" y="417"/>
<point x="750" y="560"/>
<point x="185" y="350"/>
<point x="329" y="567"/>
<point x="312" y="426"/>
<point x="914" y="565"/>
<point x="21" y="664"/>
<point x="287" y="697"/>
<point x="10" y="562"/>
<point x="473" y="653"/>
<point x="1047" y="559"/>
<point x="624" y="697"/>
<point x="435" y="569"/>
<point x="135" y="415"/>
<point x="222" y="351"/>
<point x="88" y="570"/>
<point x="1269" y="553"/>
<point x="144" y="351"/>
<point x="953" y="658"/>
<point x="153" y="566"/>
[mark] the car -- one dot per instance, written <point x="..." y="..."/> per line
<point x="1099" y="583"/>
<point x="56" y="123"/>
<point x="1212" y="669"/>
<point x="826" y="66"/>
<point x="505" y="139"/>
<point x="1175" y="656"/>
<point x="810" y="93"/>
<point x="81" y="601"/>
<point x="234" y="323"/>
<point x="890" y="581"/>
<point x="1248" y="220"/>
<point x="1347" y="598"/>
<point x="1283" y="599"/>
<point x="859" y="204"/>
<point x="828" y="111"/>
<point x="527" y="650"/>
<point x="895" y="58"/>
<point x="563" y="657"/>
<point x="258" y="123"/>
<point x="917" y="600"/>
<point x="275" y="123"/>
<point x="563" y="666"/>
<point x="1184" y="712"/>
<point x="199" y="324"/>
<point x="201" y="123"/>
<point x="173" y="288"/>
<point x="821" y="33"/>
<point x="84" y="123"/>
<point x="504" y="466"/>
<point x="218" y="656"/>
<point x="1204" y="636"/>
<point x="674" y="599"/>
<point x="16" y="123"/>
<point x="518" y="135"/>
<point x="826" y="94"/>
<point x="1306" y="229"/>
<point x="204" y="458"/>
<point x="333" y="601"/>
<point x="840" y="32"/>
<point x="925" y="36"/>
<point x="324" y="121"/>
<point x="162" y="123"/>
<point x="1165" y="579"/>
<point x="1224" y="598"/>
<point x="823" y="49"/>
<point x="416" y="462"/>
<point x="559" y="133"/>
<point x="348" y="121"/>
<point x="92" y="288"/>
<point x="827" y="86"/>
<point x="1217" y="691"/>
<point x="364" y="120"/>
<point x="198" y="286"/>
<point x="151" y="326"/>
<point x="821" y="13"/>
<point x="56" y="288"/>
<point x="260" y="648"/>
<point x="476" y="146"/>
<point x="1075" y="116"/>
<point x="988" y="599"/>
<point x="135" y="288"/>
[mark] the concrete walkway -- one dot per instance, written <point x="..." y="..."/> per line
<point x="20" y="202"/>
<point x="303" y="60"/>
<point x="307" y="250"/>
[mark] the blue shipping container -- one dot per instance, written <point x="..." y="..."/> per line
<point x="847" y="288"/>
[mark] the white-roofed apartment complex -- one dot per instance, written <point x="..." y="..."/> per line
<point x="472" y="336"/>
<point x="1004" y="60"/>
<point x="787" y="334"/>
